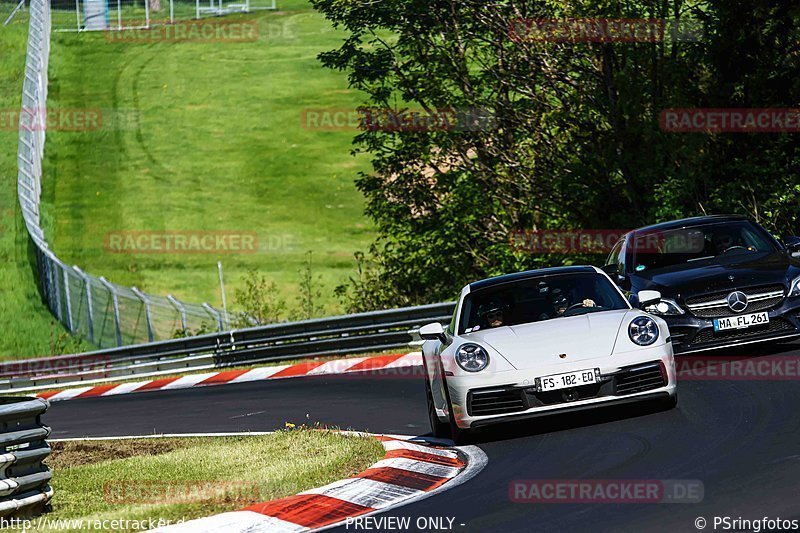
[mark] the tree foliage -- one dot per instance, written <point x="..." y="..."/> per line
<point x="574" y="139"/>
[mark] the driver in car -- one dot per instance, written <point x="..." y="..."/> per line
<point x="561" y="303"/>
<point x="723" y="241"/>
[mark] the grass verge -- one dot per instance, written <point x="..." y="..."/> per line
<point x="195" y="137"/>
<point x="201" y="138"/>
<point x="182" y="479"/>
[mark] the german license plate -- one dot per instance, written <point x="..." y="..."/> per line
<point x="741" y="321"/>
<point x="568" y="379"/>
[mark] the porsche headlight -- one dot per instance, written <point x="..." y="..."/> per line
<point x="794" y="288"/>
<point x="643" y="330"/>
<point x="471" y="357"/>
<point x="665" y="307"/>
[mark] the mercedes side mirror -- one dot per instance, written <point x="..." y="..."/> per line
<point x="433" y="332"/>
<point x="611" y="270"/>
<point x="614" y="273"/>
<point x="648" y="298"/>
<point x="792" y="244"/>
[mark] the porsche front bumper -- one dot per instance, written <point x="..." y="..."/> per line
<point x="642" y="375"/>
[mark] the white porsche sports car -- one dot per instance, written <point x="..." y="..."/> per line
<point x="543" y="341"/>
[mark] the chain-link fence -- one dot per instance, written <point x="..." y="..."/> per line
<point x="8" y="9"/>
<point x="104" y="313"/>
<point x="88" y="15"/>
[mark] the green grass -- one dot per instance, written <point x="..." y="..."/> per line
<point x="98" y="480"/>
<point x="28" y="327"/>
<point x="212" y="141"/>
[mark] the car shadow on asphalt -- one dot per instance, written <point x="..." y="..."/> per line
<point x="565" y="421"/>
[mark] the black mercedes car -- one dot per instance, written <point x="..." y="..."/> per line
<point x="723" y="280"/>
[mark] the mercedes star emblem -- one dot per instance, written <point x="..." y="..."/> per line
<point x="737" y="301"/>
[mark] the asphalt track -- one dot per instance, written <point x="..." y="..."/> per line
<point x="739" y="438"/>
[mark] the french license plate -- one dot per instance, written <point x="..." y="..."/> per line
<point x="741" y="321"/>
<point x="569" y="379"/>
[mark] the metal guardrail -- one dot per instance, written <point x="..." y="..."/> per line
<point x="24" y="480"/>
<point x="348" y="334"/>
<point x="105" y="313"/>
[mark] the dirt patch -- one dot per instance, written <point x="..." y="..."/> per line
<point x="70" y="454"/>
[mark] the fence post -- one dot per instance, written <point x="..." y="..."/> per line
<point x="52" y="284"/>
<point x="69" y="300"/>
<point x="115" y="299"/>
<point x="180" y="308"/>
<point x="146" y="301"/>
<point x="88" y="286"/>
<point x="214" y="314"/>
<point x="54" y="266"/>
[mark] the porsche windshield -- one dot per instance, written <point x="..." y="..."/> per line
<point x="685" y="246"/>
<point x="538" y="299"/>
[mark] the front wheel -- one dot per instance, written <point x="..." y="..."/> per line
<point x="670" y="403"/>
<point x="440" y="430"/>
<point x="460" y="436"/>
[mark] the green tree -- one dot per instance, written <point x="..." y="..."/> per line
<point x="574" y="139"/>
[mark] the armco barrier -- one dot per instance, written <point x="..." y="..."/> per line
<point x="24" y="480"/>
<point x="348" y="334"/>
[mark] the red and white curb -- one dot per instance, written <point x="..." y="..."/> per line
<point x="310" y="368"/>
<point x="410" y="471"/>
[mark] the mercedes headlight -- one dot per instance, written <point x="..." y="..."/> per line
<point x="665" y="307"/>
<point x="471" y="357"/>
<point x="794" y="288"/>
<point x="643" y="330"/>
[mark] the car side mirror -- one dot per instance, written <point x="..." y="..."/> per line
<point x="612" y="270"/>
<point x="433" y="332"/>
<point x="614" y="273"/>
<point x="649" y="298"/>
<point x="792" y="244"/>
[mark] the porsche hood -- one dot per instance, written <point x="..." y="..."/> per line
<point x="581" y="337"/>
